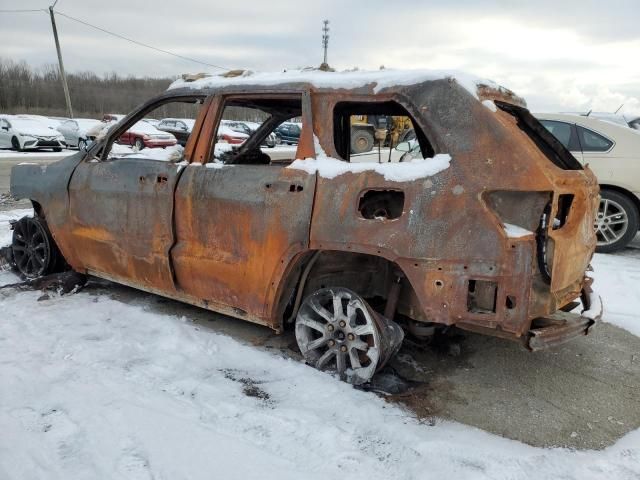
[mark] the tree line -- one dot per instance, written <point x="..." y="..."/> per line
<point x="38" y="91"/>
<point x="24" y="89"/>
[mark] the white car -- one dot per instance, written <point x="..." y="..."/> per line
<point x="28" y="134"/>
<point x="613" y="153"/>
<point x="48" y="121"/>
<point x="75" y="131"/>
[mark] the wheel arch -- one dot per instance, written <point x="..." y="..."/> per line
<point x="623" y="191"/>
<point x="370" y="276"/>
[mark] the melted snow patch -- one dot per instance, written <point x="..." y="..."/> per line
<point x="595" y="310"/>
<point x="394" y="172"/>
<point x="514" y="231"/>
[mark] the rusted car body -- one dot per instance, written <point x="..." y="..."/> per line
<point x="252" y="241"/>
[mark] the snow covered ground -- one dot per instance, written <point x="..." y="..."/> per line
<point x="94" y="388"/>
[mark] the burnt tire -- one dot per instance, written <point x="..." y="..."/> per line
<point x="617" y="221"/>
<point x="35" y="254"/>
<point x="338" y="331"/>
<point x="15" y="144"/>
<point x="361" y="141"/>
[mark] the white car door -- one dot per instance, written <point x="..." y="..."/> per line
<point x="69" y="131"/>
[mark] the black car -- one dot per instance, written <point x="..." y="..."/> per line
<point x="289" y="133"/>
<point x="242" y="127"/>
<point x="179" y="127"/>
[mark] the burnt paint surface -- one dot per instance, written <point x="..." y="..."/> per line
<point x="226" y="238"/>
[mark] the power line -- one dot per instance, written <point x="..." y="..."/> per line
<point x="122" y="37"/>
<point x="23" y="10"/>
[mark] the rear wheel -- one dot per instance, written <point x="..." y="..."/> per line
<point x="34" y="252"/>
<point x="616" y="222"/>
<point x="338" y="331"/>
<point x="82" y="145"/>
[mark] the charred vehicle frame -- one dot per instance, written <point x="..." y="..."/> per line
<point x="349" y="258"/>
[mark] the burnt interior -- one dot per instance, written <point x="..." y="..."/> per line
<point x="564" y="207"/>
<point x="381" y="204"/>
<point x="481" y="296"/>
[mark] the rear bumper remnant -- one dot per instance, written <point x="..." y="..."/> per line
<point x="561" y="327"/>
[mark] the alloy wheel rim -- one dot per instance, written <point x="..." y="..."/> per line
<point x="611" y="222"/>
<point x="31" y="249"/>
<point x="336" y="331"/>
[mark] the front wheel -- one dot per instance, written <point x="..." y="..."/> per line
<point x="82" y="145"/>
<point x="34" y="251"/>
<point x="616" y="222"/>
<point x="139" y="144"/>
<point x="338" y="331"/>
<point x="15" y="144"/>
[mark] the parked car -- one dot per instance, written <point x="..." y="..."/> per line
<point x="28" y="134"/>
<point x="248" y="128"/>
<point x="48" y="121"/>
<point x="288" y="133"/>
<point x="179" y="127"/>
<point x="143" y="134"/>
<point x="112" y="117"/>
<point x="613" y="154"/>
<point x="228" y="135"/>
<point x="152" y="121"/>
<point x="489" y="228"/>
<point x="76" y="131"/>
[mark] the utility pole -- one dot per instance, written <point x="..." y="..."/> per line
<point x="325" y="44"/>
<point x="63" y="75"/>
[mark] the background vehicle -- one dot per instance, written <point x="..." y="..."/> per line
<point x="178" y="127"/>
<point x="613" y="153"/>
<point x="249" y="128"/>
<point x="143" y="134"/>
<point x="228" y="135"/>
<point x="288" y="132"/>
<point x="28" y="134"/>
<point x="75" y="131"/>
<point x="390" y="130"/>
<point x="152" y="121"/>
<point x="48" y="121"/>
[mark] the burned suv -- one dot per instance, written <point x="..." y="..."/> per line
<point x="484" y="221"/>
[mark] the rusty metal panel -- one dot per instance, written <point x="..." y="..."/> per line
<point x="120" y="219"/>
<point x="237" y="229"/>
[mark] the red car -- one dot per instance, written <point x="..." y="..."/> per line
<point x="227" y="135"/>
<point x="143" y="134"/>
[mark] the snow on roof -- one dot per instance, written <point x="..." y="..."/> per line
<point x="333" y="80"/>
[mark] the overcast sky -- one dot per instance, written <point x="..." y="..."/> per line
<point x="560" y="55"/>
